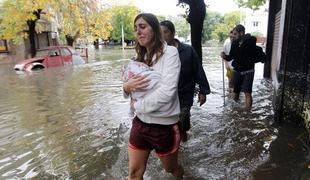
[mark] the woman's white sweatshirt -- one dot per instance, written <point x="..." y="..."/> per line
<point x="162" y="105"/>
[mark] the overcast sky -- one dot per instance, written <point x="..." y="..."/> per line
<point x="168" y="7"/>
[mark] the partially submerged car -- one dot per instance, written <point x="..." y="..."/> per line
<point x="50" y="57"/>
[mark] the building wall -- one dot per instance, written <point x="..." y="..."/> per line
<point x="18" y="52"/>
<point x="290" y="61"/>
<point x="43" y="40"/>
<point x="306" y="105"/>
<point x="256" y="20"/>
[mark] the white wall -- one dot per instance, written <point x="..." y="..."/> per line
<point x="256" y="20"/>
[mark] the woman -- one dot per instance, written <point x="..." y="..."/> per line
<point x="154" y="127"/>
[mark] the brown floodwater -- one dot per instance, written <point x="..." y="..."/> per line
<point x="73" y="123"/>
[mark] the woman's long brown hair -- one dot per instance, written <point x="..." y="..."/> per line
<point x="157" y="47"/>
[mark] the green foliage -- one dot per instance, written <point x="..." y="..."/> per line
<point x="71" y="17"/>
<point x="257" y="34"/>
<point x="123" y="16"/>
<point x="252" y="4"/>
<point x="182" y="27"/>
<point x="62" y="38"/>
<point x="14" y="15"/>
<point x="212" y="19"/>
<point x="230" y="21"/>
<point x="161" y="18"/>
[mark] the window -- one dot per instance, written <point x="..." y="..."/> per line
<point x="54" y="52"/>
<point x="65" y="52"/>
<point x="3" y="46"/>
<point x="255" y="23"/>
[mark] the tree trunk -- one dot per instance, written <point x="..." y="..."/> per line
<point x="196" y="36"/>
<point x="32" y="31"/>
<point x="70" y="40"/>
<point x="197" y="13"/>
<point x="31" y="25"/>
<point x="96" y="44"/>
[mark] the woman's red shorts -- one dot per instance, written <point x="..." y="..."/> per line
<point x="165" y="139"/>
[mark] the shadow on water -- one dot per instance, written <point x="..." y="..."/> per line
<point x="289" y="155"/>
<point x="73" y="123"/>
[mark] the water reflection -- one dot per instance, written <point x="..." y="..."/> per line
<point x="73" y="123"/>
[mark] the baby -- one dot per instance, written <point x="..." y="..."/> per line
<point x="139" y="68"/>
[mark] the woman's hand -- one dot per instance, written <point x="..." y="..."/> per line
<point x="136" y="83"/>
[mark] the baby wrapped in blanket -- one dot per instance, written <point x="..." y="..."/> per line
<point x="140" y="68"/>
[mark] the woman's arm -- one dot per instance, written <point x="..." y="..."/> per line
<point x="136" y="83"/>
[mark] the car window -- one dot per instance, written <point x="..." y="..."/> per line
<point x="54" y="52"/>
<point x="72" y="50"/>
<point x="43" y="52"/>
<point x="65" y="52"/>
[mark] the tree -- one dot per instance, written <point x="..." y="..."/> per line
<point x="196" y="16"/>
<point x="211" y="21"/>
<point x="101" y="26"/>
<point x="182" y="28"/>
<point x="257" y="33"/>
<point x="161" y="18"/>
<point x="16" y="16"/>
<point x="123" y="16"/>
<point x="230" y="21"/>
<point x="31" y="26"/>
<point x="83" y="19"/>
<point x="19" y="19"/>
<point x="252" y="4"/>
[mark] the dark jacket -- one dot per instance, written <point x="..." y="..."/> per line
<point x="245" y="53"/>
<point x="191" y="73"/>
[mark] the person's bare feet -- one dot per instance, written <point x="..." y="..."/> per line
<point x="236" y="97"/>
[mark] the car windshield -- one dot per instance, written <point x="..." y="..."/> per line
<point x="43" y="52"/>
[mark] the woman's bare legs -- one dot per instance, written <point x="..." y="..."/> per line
<point x="137" y="163"/>
<point x="171" y="165"/>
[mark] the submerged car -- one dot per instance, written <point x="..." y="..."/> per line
<point x="50" y="57"/>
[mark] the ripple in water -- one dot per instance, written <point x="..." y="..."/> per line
<point x="73" y="123"/>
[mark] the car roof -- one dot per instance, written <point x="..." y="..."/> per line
<point x="51" y="47"/>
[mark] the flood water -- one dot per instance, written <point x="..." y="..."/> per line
<point x="73" y="123"/>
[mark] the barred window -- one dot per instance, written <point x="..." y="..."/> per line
<point x="255" y="23"/>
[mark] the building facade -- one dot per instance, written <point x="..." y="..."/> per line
<point x="256" y="22"/>
<point x="288" y="63"/>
